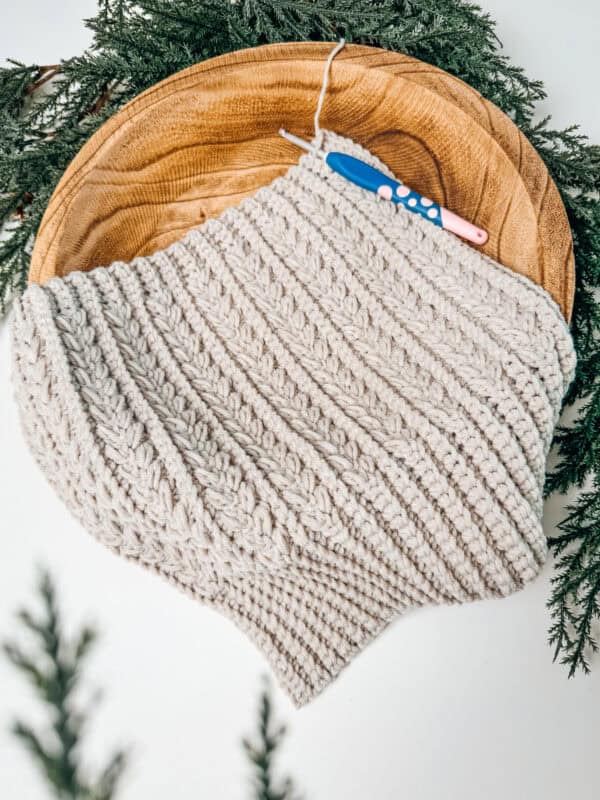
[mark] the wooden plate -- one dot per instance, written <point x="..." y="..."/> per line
<point x="206" y="137"/>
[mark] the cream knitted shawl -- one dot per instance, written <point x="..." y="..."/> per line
<point x="313" y="413"/>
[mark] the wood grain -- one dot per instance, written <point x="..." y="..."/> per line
<point x="206" y="137"/>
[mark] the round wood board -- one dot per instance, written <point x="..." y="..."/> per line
<point x="206" y="137"/>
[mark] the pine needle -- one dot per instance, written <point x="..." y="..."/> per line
<point x="261" y="751"/>
<point x="53" y="667"/>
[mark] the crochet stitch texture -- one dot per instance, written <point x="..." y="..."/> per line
<point x="313" y="413"/>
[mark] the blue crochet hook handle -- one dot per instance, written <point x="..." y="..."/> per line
<point x="366" y="176"/>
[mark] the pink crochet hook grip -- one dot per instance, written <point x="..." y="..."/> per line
<point x="459" y="226"/>
<point x="366" y="176"/>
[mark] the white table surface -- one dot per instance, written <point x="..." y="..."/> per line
<point x="449" y="703"/>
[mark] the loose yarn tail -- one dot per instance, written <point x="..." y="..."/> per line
<point x="326" y="73"/>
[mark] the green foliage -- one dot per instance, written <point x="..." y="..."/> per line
<point x="54" y="670"/>
<point x="139" y="42"/>
<point x="575" y="597"/>
<point x="261" y="752"/>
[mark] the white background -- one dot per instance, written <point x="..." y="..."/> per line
<point x="448" y="703"/>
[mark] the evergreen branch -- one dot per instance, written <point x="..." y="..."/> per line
<point x="107" y="781"/>
<point x="30" y="740"/>
<point x="45" y="74"/>
<point x="48" y="112"/>
<point x="574" y="601"/>
<point x="53" y="668"/>
<point x="15" y="81"/>
<point x="261" y="752"/>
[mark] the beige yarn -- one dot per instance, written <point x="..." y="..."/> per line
<point x="312" y="413"/>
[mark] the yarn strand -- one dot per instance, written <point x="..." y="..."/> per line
<point x="326" y="74"/>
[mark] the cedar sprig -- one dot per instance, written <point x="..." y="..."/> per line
<point x="575" y="599"/>
<point x="261" y="750"/>
<point x="53" y="666"/>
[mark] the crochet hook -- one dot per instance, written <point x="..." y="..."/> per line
<point x="366" y="176"/>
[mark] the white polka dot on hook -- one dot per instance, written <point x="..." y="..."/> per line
<point x="425" y="201"/>
<point x="432" y="213"/>
<point x="412" y="202"/>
